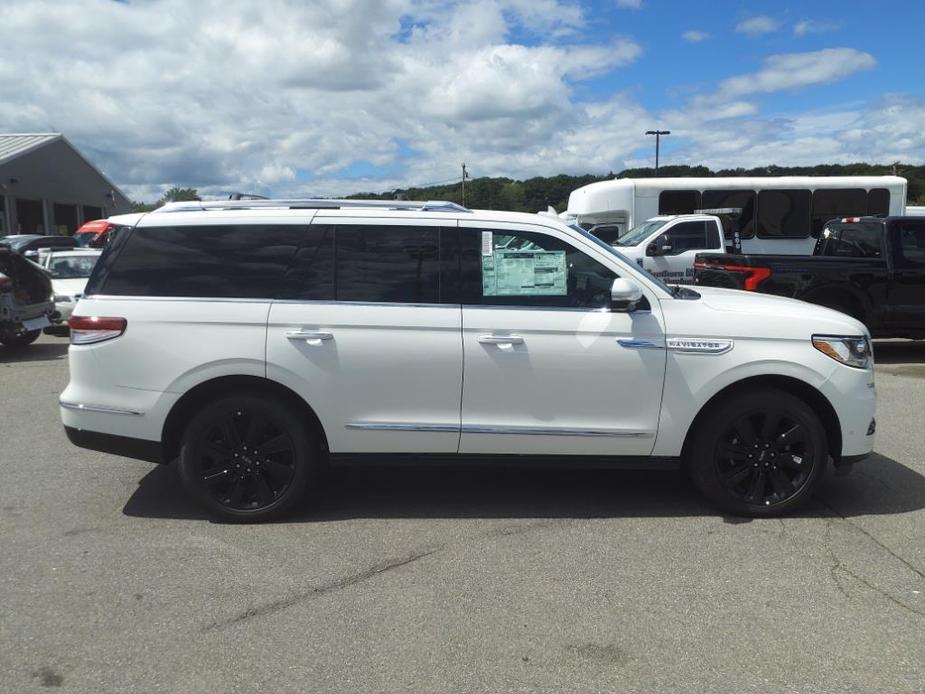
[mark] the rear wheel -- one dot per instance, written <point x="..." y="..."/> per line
<point x="14" y="339"/>
<point x="760" y="453"/>
<point x="248" y="458"/>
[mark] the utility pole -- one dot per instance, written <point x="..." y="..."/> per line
<point x="658" y="136"/>
<point x="464" y="177"/>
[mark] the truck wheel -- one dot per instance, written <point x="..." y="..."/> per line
<point x="12" y="339"/>
<point x="247" y="458"/>
<point x="759" y="453"/>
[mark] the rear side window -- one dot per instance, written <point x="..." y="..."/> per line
<point x="851" y="241"/>
<point x="784" y="213"/>
<point x="387" y="263"/>
<point x="678" y="201"/>
<point x="911" y="244"/>
<point x="233" y="261"/>
<point x="830" y="204"/>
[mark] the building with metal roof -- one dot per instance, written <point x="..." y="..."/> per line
<point x="48" y="187"/>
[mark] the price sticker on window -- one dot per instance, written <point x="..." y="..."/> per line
<point x="487" y="243"/>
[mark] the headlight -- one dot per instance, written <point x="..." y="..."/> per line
<point x="62" y="299"/>
<point x="853" y="351"/>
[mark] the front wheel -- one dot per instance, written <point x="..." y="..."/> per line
<point x="14" y="339"/>
<point x="247" y="458"/>
<point x="760" y="453"/>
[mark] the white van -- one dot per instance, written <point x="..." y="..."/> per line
<point x="254" y="342"/>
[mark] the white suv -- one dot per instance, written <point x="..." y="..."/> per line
<point x="255" y="341"/>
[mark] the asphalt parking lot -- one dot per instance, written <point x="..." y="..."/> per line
<point x="455" y="580"/>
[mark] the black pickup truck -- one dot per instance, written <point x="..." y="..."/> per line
<point x="872" y="268"/>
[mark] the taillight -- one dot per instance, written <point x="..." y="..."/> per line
<point x="753" y="275"/>
<point x="86" y="330"/>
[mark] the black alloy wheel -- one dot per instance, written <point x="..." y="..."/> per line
<point x="19" y="339"/>
<point x="247" y="458"/>
<point x="760" y="454"/>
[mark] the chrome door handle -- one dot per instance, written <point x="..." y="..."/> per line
<point x="501" y="340"/>
<point x="312" y="337"/>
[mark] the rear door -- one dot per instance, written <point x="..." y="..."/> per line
<point x="548" y="368"/>
<point x="365" y="338"/>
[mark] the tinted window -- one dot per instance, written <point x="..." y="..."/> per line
<point x="878" y="201"/>
<point x="784" y="213"/>
<point x="831" y="204"/>
<point x="678" y="201"/>
<point x="387" y="263"/>
<point x="852" y="241"/>
<point x="522" y="268"/>
<point x="740" y="216"/>
<point x="201" y="261"/>
<point x="311" y="277"/>
<point x="688" y="236"/>
<point x="911" y="244"/>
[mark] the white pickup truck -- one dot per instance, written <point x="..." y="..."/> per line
<point x="666" y="245"/>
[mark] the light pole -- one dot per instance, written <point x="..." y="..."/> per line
<point x="658" y="136"/>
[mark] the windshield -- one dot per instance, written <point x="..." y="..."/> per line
<point x="72" y="267"/>
<point x="637" y="235"/>
<point x="85" y="240"/>
<point x="623" y="258"/>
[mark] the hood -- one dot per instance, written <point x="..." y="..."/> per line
<point x="750" y="314"/>
<point x="69" y="287"/>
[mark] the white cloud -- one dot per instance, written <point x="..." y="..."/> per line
<point x="694" y="36"/>
<point x="755" y="26"/>
<point x="811" y="26"/>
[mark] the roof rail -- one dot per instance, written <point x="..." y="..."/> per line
<point x="311" y="204"/>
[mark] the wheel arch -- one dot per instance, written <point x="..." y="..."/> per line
<point x="208" y="391"/>
<point x="800" y="389"/>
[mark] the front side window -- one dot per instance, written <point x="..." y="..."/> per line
<point x="688" y="236"/>
<point x="911" y="244"/>
<point x="851" y="241"/>
<point x="784" y="214"/>
<point x="525" y="268"/>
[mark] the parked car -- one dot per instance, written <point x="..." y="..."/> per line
<point x="666" y="245"/>
<point x="94" y="234"/>
<point x="69" y="271"/>
<point x="871" y="268"/>
<point x="253" y="342"/>
<point x="30" y="244"/>
<point x="25" y="300"/>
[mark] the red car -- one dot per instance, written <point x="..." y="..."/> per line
<point x="94" y="234"/>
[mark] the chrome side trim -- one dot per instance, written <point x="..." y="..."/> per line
<point x="699" y="345"/>
<point x="478" y="429"/>
<point x="200" y="299"/>
<point x="555" y="431"/>
<point x="105" y="409"/>
<point x="637" y="344"/>
<point x="396" y="426"/>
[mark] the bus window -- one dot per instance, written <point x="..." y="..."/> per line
<point x="878" y="201"/>
<point x="784" y="214"/>
<point x="678" y="201"/>
<point x="832" y="204"/>
<point x="743" y="222"/>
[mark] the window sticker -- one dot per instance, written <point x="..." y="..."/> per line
<point x="487" y="243"/>
<point x="524" y="273"/>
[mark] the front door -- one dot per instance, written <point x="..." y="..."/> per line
<point x="907" y="287"/>
<point x="549" y="369"/>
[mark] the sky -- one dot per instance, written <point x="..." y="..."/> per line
<point x="329" y="97"/>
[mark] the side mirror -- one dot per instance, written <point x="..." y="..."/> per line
<point x="661" y="246"/>
<point x="624" y="295"/>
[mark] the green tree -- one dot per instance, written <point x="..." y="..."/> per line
<point x="178" y="194"/>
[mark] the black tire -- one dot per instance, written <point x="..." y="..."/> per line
<point x="11" y="339"/>
<point x="759" y="453"/>
<point x="248" y="458"/>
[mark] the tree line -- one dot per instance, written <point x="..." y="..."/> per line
<point x="541" y="192"/>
